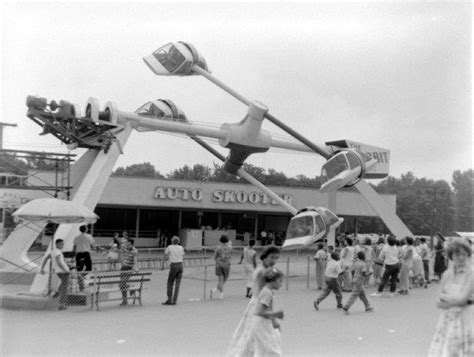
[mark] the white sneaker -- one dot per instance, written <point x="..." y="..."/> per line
<point x="376" y="294"/>
<point x="213" y="292"/>
<point x="221" y="296"/>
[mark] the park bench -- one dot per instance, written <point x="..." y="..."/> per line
<point x="107" y="284"/>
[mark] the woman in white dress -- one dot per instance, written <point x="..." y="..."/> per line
<point x="406" y="265"/>
<point x="454" y="334"/>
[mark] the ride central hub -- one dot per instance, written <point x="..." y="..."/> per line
<point x="246" y="137"/>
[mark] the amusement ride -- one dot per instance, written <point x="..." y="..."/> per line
<point x="105" y="133"/>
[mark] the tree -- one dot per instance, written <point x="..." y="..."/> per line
<point x="463" y="200"/>
<point x="11" y="164"/>
<point x="274" y="178"/>
<point x="220" y="175"/>
<point x="196" y="173"/>
<point x="144" y="169"/>
<point x="424" y="205"/>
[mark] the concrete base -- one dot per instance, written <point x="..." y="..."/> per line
<point x="16" y="278"/>
<point x="28" y="301"/>
<point x="79" y="299"/>
<point x="25" y="301"/>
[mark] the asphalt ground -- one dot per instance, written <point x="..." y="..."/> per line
<point x="402" y="325"/>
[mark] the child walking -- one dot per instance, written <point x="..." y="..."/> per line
<point x="333" y="270"/>
<point x="266" y="329"/>
<point x="242" y="343"/>
<point x="360" y="274"/>
<point x="249" y="257"/>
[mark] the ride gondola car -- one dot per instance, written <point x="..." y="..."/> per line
<point x="345" y="169"/>
<point x="310" y="225"/>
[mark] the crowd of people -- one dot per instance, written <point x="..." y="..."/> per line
<point x="388" y="261"/>
<point x="350" y="266"/>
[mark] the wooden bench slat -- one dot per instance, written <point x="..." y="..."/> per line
<point x="124" y="280"/>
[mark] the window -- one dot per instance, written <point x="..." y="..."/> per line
<point x="210" y="219"/>
<point x="353" y="160"/>
<point x="153" y="220"/>
<point x="320" y="226"/>
<point x="189" y="219"/>
<point x="115" y="220"/>
<point x="150" y="110"/>
<point x="300" y="227"/>
<point x="169" y="57"/>
<point x="334" y="166"/>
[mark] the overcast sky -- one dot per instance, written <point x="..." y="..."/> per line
<point x="395" y="75"/>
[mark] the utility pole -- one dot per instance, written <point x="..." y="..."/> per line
<point x="1" y="132"/>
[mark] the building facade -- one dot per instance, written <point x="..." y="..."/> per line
<point x="148" y="208"/>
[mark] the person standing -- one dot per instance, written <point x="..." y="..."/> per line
<point x="425" y="257"/>
<point x="418" y="278"/>
<point x="263" y="237"/>
<point x="369" y="259"/>
<point x="454" y="334"/>
<point x="360" y="274"/>
<point x="320" y="257"/>
<point x="222" y="257"/>
<point x="175" y="254"/>
<point x="113" y="255"/>
<point x="62" y="270"/>
<point x="124" y="238"/>
<point x="333" y="270"/>
<point x="249" y="257"/>
<point x="347" y="256"/>
<point x="440" y="258"/>
<point x="129" y="263"/>
<point x="83" y="244"/>
<point x="406" y="265"/>
<point x="378" y="261"/>
<point x="390" y="258"/>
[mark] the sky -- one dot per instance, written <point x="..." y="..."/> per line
<point x="391" y="74"/>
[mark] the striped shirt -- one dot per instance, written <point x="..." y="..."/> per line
<point x="128" y="256"/>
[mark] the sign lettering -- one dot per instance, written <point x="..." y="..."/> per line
<point x="218" y="196"/>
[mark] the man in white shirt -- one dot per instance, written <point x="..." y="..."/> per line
<point x="425" y="256"/>
<point x="390" y="256"/>
<point x="175" y="254"/>
<point x="333" y="270"/>
<point x="82" y="247"/>
<point x="61" y="269"/>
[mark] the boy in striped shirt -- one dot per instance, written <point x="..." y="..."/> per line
<point x="129" y="261"/>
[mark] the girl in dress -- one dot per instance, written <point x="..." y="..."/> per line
<point x="418" y="271"/>
<point x="347" y="261"/>
<point x="113" y="255"/>
<point x="266" y="328"/>
<point x="242" y="343"/>
<point x="454" y="334"/>
<point x="249" y="257"/>
<point x="407" y="264"/>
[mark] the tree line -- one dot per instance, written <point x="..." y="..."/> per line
<point x="425" y="205"/>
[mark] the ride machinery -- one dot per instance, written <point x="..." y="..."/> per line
<point x="105" y="132"/>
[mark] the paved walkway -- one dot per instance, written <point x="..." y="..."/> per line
<point x="400" y="326"/>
